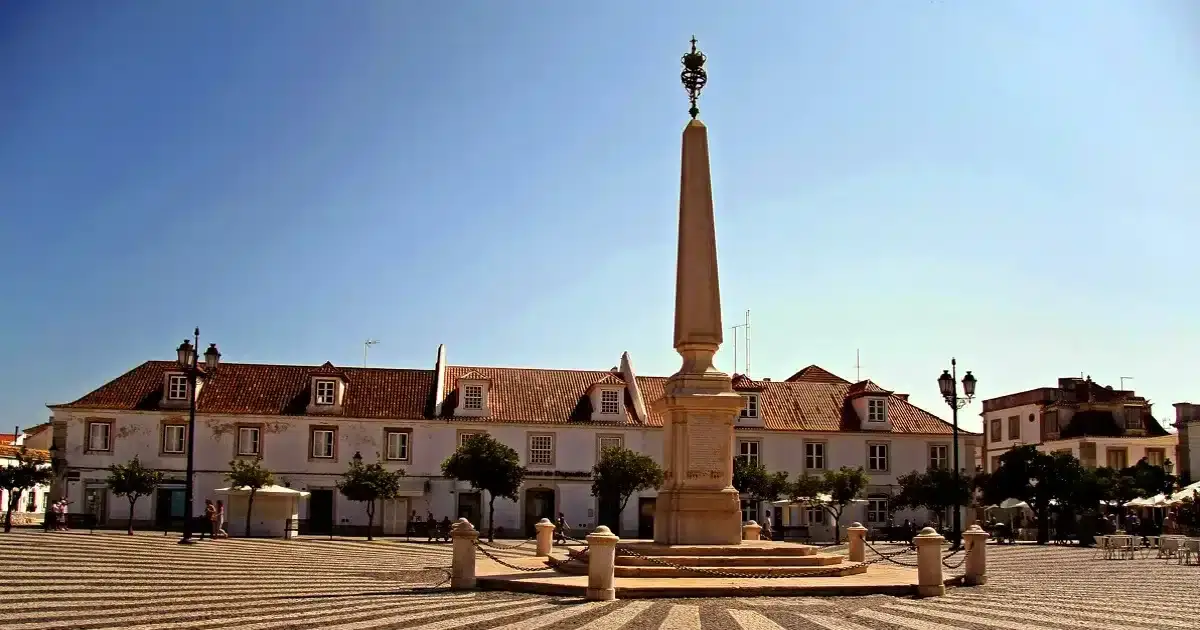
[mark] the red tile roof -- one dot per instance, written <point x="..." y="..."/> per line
<point x="8" y="438"/>
<point x="866" y="388"/>
<point x="9" y="451"/>
<point x="813" y="400"/>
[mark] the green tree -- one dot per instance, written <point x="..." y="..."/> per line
<point x="132" y="481"/>
<point x="490" y="466"/>
<point x="842" y="486"/>
<point x="369" y="483"/>
<point x="30" y="471"/>
<point x="936" y="489"/>
<point x="756" y="485"/>
<point x="1149" y="479"/>
<point x="621" y="472"/>
<point x="249" y="474"/>
<point x="1035" y="478"/>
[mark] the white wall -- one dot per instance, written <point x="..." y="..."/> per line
<point x="285" y="449"/>
<point x="1031" y="432"/>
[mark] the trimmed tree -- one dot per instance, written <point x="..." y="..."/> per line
<point x="132" y="481"/>
<point x="621" y="472"/>
<point x="369" y="483"/>
<point x="489" y="466"/>
<point x="935" y="490"/>
<point x="843" y="486"/>
<point x="249" y="474"/>
<point x="29" y="472"/>
<point x="756" y="485"/>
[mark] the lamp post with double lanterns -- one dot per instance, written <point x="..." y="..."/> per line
<point x="948" y="384"/>
<point x="186" y="356"/>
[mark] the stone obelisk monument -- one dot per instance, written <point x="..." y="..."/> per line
<point x="697" y="504"/>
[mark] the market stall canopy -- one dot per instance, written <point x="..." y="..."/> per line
<point x="265" y="490"/>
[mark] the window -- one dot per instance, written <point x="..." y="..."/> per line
<point x="541" y="450"/>
<point x="610" y="402"/>
<point x="748" y="450"/>
<point x="326" y="392"/>
<point x="1014" y="428"/>
<point x="750" y="406"/>
<point x="322" y="443"/>
<point x="876" y="410"/>
<point x="248" y="441"/>
<point x="996" y="435"/>
<point x="814" y="515"/>
<point x="605" y="442"/>
<point x="31" y="506"/>
<point x="473" y="397"/>
<point x="1156" y="456"/>
<point x="1133" y="418"/>
<point x="1117" y="458"/>
<point x="177" y="387"/>
<point x="877" y="457"/>
<point x="814" y="456"/>
<point x="174" y="438"/>
<point x="877" y="509"/>
<point x="1050" y="420"/>
<point x="464" y="436"/>
<point x="939" y="456"/>
<point x="748" y="511"/>
<point x="397" y="446"/>
<point x="98" y="436"/>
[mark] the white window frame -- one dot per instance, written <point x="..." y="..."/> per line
<point x="326" y="392"/>
<point x="814" y="515"/>
<point x="610" y="402"/>
<point x="168" y="444"/>
<point x="473" y="397"/>
<point x="465" y="435"/>
<point x="177" y="387"/>
<point x="939" y="456"/>
<point x="876" y="410"/>
<point x="601" y="439"/>
<point x="256" y="441"/>
<point x="750" y="450"/>
<point x="877" y="461"/>
<point x="541" y="449"/>
<point x="814" y="456"/>
<point x="749" y="510"/>
<point x="92" y="436"/>
<point x="315" y="443"/>
<point x="749" y="406"/>
<point x="402" y="442"/>
<point x="877" y="509"/>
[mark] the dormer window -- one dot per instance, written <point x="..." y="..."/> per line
<point x="177" y="387"/>
<point x="749" y="406"/>
<point x="326" y="393"/>
<point x="473" y="397"/>
<point x="610" y="402"/>
<point x="876" y="410"/>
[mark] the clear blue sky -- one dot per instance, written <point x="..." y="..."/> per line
<point x="1014" y="183"/>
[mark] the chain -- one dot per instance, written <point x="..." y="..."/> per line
<point x="553" y="563"/>
<point x="516" y="546"/>
<point x="625" y="551"/>
<point x="891" y="557"/>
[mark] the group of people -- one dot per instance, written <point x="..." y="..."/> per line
<point x="214" y="518"/>
<point x="60" y="509"/>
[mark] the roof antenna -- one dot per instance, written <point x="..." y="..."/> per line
<point x="367" y="346"/>
<point x="857" y="367"/>
<point x="746" y="339"/>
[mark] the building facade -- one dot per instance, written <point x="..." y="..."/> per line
<point x="307" y="423"/>
<point x="1100" y="426"/>
<point x="1187" y="422"/>
<point x="31" y="506"/>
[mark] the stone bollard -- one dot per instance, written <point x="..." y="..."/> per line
<point x="929" y="563"/>
<point x="545" y="537"/>
<point x="856" y="535"/>
<point x="462" y="563"/>
<point x="976" y="549"/>
<point x="751" y="531"/>
<point x="602" y="564"/>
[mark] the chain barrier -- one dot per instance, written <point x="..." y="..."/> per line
<point x="625" y="551"/>
<point x="516" y="546"/>
<point x="572" y="556"/>
<point x="891" y="557"/>
<point x="951" y="555"/>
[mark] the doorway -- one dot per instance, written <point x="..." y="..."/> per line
<point x="394" y="520"/>
<point x="95" y="502"/>
<point x="609" y="512"/>
<point x="646" y="517"/>
<point x="320" y="511"/>
<point x="168" y="507"/>
<point x="469" y="507"/>
<point x="539" y="504"/>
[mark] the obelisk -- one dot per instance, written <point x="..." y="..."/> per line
<point x="697" y="504"/>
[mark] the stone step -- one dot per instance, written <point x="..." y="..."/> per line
<point x="819" y="560"/>
<point x="672" y="572"/>
<point x="745" y="549"/>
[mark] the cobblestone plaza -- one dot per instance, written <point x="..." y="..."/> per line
<point x="148" y="582"/>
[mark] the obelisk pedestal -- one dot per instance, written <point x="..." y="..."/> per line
<point x="698" y="504"/>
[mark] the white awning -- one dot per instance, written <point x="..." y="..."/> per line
<point x="266" y="490"/>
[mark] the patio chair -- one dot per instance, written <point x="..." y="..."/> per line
<point x="1169" y="547"/>
<point x="1101" y="547"/>
<point x="1189" y="549"/>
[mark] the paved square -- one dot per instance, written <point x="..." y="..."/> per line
<point x="148" y="582"/>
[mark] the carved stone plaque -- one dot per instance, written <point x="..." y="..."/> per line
<point x="708" y="448"/>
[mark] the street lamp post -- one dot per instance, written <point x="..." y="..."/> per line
<point x="186" y="356"/>
<point x="948" y="384"/>
<point x="1169" y="467"/>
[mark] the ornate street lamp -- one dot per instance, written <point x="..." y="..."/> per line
<point x="948" y="384"/>
<point x="186" y="357"/>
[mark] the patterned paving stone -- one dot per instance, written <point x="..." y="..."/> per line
<point x="66" y="581"/>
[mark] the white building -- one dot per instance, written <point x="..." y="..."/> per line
<point x="1100" y="426"/>
<point x="31" y="507"/>
<point x="1187" y="421"/>
<point x="308" y="422"/>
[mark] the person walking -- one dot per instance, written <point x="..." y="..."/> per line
<point x="209" y="519"/>
<point x="219" y="529"/>
<point x="768" y="527"/>
<point x="560" y="529"/>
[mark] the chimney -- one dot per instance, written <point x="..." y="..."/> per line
<point x="766" y="380"/>
<point x="903" y="397"/>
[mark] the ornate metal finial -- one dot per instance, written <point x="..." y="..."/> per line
<point x="693" y="76"/>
